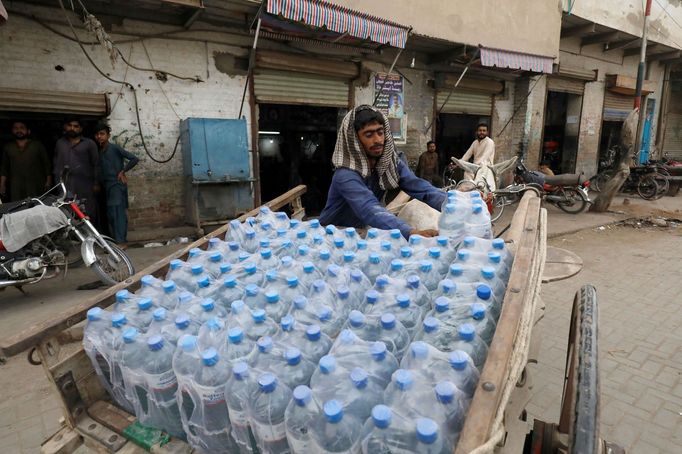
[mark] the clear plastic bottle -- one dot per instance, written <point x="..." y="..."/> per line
<point x="206" y="310"/>
<point x="267" y="414"/>
<point x="339" y="431"/>
<point x="375" y="266"/>
<point x="181" y="325"/>
<point x="248" y="273"/>
<point x="260" y="325"/>
<point x="478" y="222"/>
<point x="238" y="393"/>
<point x="358" y="284"/>
<point x="130" y="357"/>
<point x="310" y="339"/>
<point x="144" y="315"/>
<point x="390" y="431"/>
<point x="211" y="333"/>
<point x="150" y="287"/>
<point x="227" y="291"/>
<point x="301" y="413"/>
<point x="350" y="351"/>
<point x="95" y="334"/>
<point x="472" y="344"/>
<point x="180" y="272"/>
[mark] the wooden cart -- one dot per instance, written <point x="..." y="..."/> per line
<point x="495" y="421"/>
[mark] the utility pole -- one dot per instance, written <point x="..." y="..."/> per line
<point x="640" y="77"/>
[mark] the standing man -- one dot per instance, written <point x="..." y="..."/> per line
<point x="114" y="181"/>
<point x="482" y="149"/>
<point x="80" y="155"/>
<point x="25" y="165"/>
<point x="427" y="168"/>
<point x="367" y="166"/>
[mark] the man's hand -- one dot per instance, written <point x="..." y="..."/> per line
<point x="426" y="233"/>
<point x="122" y="178"/>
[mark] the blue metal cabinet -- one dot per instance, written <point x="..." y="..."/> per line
<point x="218" y="182"/>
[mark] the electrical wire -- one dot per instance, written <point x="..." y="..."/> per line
<point x="158" y="82"/>
<point x="121" y="82"/>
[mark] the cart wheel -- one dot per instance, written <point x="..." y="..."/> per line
<point x="580" y="401"/>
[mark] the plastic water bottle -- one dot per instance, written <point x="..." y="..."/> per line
<point x="391" y="431"/>
<point x="206" y="310"/>
<point x="260" y="325"/>
<point x="282" y="246"/>
<point x="394" y="334"/>
<point x="238" y="396"/>
<point x="203" y="287"/>
<point x="235" y="232"/>
<point x="226" y="291"/>
<point x="144" y="315"/>
<point x="361" y="251"/>
<point x="214" y="264"/>
<point x="375" y="266"/>
<point x="160" y="318"/>
<point x="281" y="219"/>
<point x="196" y="255"/>
<point x="330" y="322"/>
<point x="268" y="260"/>
<point x="358" y="284"/>
<point x="456" y="315"/>
<point x="238" y="347"/>
<point x="472" y="344"/>
<point x="321" y="294"/>
<point x="182" y="324"/>
<point x="291" y="290"/>
<point x="307" y="273"/>
<point x="95" y="335"/>
<point x="428" y="276"/>
<point x="126" y="302"/>
<point x="446" y="288"/>
<point x="181" y="273"/>
<point x="323" y="258"/>
<point x="186" y="361"/>
<point x="267" y="414"/>
<point x="419" y="294"/>
<point x="337" y="250"/>
<point x="452" y="220"/>
<point x="150" y="287"/>
<point x="310" y="339"/>
<point x="478" y="222"/>
<point x="248" y="273"/>
<point x="437" y="334"/>
<point x="250" y="243"/>
<point x="350" y="351"/>
<point x="300" y="416"/>
<point x="454" y="404"/>
<point x="169" y="297"/>
<point x="339" y="431"/>
<point x="401" y="306"/>
<point x="211" y="333"/>
<point x="131" y="355"/>
<point x="186" y="300"/>
<point x="337" y="276"/>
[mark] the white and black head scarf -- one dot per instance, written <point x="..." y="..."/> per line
<point x="349" y="153"/>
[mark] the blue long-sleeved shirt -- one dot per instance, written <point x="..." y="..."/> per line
<point x="354" y="201"/>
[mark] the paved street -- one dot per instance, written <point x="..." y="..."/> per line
<point x="636" y="273"/>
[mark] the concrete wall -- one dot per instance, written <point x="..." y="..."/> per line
<point x="521" y="25"/>
<point x="528" y="123"/>
<point x="30" y="53"/>
<point x="628" y="16"/>
<point x="501" y="127"/>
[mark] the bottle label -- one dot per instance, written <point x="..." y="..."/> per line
<point x="163" y="382"/>
<point x="272" y="433"/>
<point x="239" y="418"/>
<point x="212" y="396"/>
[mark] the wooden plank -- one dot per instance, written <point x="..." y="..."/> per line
<point x="98" y="437"/>
<point x="65" y="441"/>
<point x="110" y="416"/>
<point x="487" y="398"/>
<point x="36" y="333"/>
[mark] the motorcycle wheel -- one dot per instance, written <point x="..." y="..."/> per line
<point x="107" y="269"/>
<point x="576" y="201"/>
<point x="648" y="188"/>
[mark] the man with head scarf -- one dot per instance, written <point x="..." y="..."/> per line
<point x="366" y="167"/>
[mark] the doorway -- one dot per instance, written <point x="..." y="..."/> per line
<point x="561" y="131"/>
<point x="296" y="144"/>
<point x="455" y="133"/>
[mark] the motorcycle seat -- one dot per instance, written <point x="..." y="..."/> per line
<point x="564" y="179"/>
<point x="10" y="207"/>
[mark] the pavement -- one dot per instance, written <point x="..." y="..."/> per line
<point x="635" y="272"/>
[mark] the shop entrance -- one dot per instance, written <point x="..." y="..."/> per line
<point x="561" y="130"/>
<point x="296" y="144"/>
<point x="455" y="133"/>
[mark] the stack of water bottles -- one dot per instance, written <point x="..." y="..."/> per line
<point x="288" y="336"/>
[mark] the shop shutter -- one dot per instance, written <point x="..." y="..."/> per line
<point x="566" y="85"/>
<point x="63" y="102"/>
<point x="465" y="102"/>
<point x="672" y="139"/>
<point x="283" y="87"/>
<point x="616" y="106"/>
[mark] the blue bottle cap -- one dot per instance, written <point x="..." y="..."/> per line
<point x="302" y="395"/>
<point x="293" y="356"/>
<point x="450" y="208"/>
<point x="271" y="275"/>
<point x="271" y="296"/>
<point x="381" y="416"/>
<point x="147" y="280"/>
<point x="175" y="264"/>
<point x="243" y="256"/>
<point x="144" y="304"/>
<point x="474" y="195"/>
<point x="252" y="290"/>
<point x="324" y="314"/>
<point x="333" y="411"/>
<point x="250" y="268"/>
<point x="356" y="275"/>
<point x="185" y="297"/>
<point x="494" y="257"/>
<point x="266" y="226"/>
<point x="207" y="304"/>
<point x="330" y="230"/>
<point x="264" y="344"/>
<point x="356" y="318"/>
<point x="469" y="241"/>
<point x="466" y="332"/>
<point x="372" y="233"/>
<point x="498" y="243"/>
<point x="359" y="377"/>
<point x="233" y="245"/>
<point x="287" y="261"/>
<point x="303" y="250"/>
<point x="333" y="270"/>
<point x="235" y="335"/>
<point x="327" y="364"/>
<point x="129" y="335"/>
<point x="413" y="281"/>
<point x="308" y="267"/>
<point x="258" y="315"/>
<point x="159" y="314"/>
<point x="484" y="292"/>
<point x="182" y="321"/>
<point x="362" y="245"/>
<point x="347" y="337"/>
<point x="442" y="304"/>
<point x="281" y="231"/>
<point x="403" y="379"/>
<point x="378" y="350"/>
<point x="267" y="382"/>
<point x="463" y="255"/>
<point x="214" y="324"/>
<point x="427" y="430"/>
<point x="301" y="234"/>
<point x="250" y="233"/>
<point x="203" y="282"/>
<point x="122" y="295"/>
<point x="294" y="223"/>
<point x="287" y="322"/>
<point x="372" y="296"/>
<point x="425" y="266"/>
<point x="488" y="272"/>
<point x="313" y="333"/>
<point x="374" y="258"/>
<point x="348" y="256"/>
<point x="382" y="281"/>
<point x="478" y="311"/>
<point x="155" y="342"/>
<point x="168" y="286"/>
<point x="230" y="281"/>
<point x="445" y="392"/>
<point x="315" y="223"/>
<point x="343" y="292"/>
<point x="197" y="269"/>
<point x="350" y="232"/>
<point x="403" y="300"/>
<point x="187" y="343"/>
<point x="395" y="234"/>
<point x="266" y="253"/>
<point x="318" y="239"/>
<point x="419" y="350"/>
<point x="237" y="306"/>
<point x="430" y="324"/>
<point x="415" y="239"/>
<point x="264" y="210"/>
<point x="397" y="265"/>
<point x="325" y="254"/>
<point x="406" y="252"/>
<point x="118" y="319"/>
<point x="225" y="268"/>
<point x="235" y="224"/>
<point x="456" y="270"/>
<point x="95" y="313"/>
<point x="339" y="243"/>
<point x="476" y="209"/>
<point x="442" y="241"/>
<point x="449" y="287"/>
<point x="213" y="242"/>
<point x="319" y="285"/>
<point x="386" y="246"/>
<point x="215" y="257"/>
<point x="300" y="302"/>
<point x="387" y="321"/>
<point x="209" y="357"/>
<point x="240" y="370"/>
<point x="434" y="252"/>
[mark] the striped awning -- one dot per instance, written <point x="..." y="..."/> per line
<point x="516" y="60"/>
<point x="341" y="20"/>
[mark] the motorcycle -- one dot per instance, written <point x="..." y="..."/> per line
<point x="39" y="236"/>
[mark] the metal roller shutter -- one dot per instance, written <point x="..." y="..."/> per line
<point x="21" y="100"/>
<point x="616" y="106"/>
<point x="283" y="87"/>
<point x="565" y="85"/>
<point x="672" y="139"/>
<point x="466" y="102"/>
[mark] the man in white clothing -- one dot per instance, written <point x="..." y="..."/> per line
<point x="482" y="150"/>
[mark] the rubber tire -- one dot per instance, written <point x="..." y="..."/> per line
<point x="663" y="184"/>
<point x="498" y="208"/>
<point x="648" y="187"/>
<point x="102" y="274"/>
<point x="582" y="205"/>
